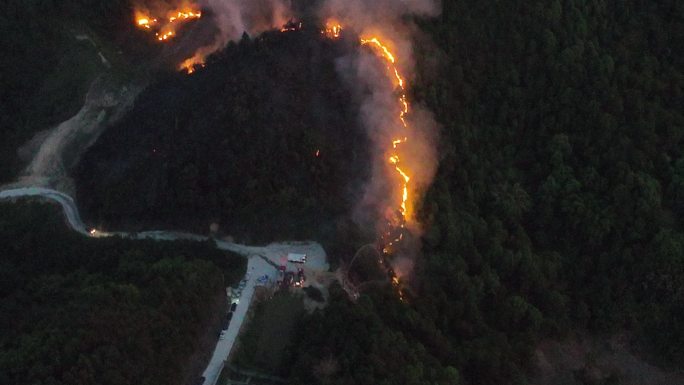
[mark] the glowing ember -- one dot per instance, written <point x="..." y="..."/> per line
<point x="190" y="65"/>
<point x="291" y="26"/>
<point x="397" y="286"/>
<point x="145" y="22"/>
<point x="184" y="15"/>
<point x="332" y="29"/>
<point x="164" y="36"/>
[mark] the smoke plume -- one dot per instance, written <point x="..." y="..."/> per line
<point x="390" y="21"/>
<point x="375" y="85"/>
<point x="235" y="17"/>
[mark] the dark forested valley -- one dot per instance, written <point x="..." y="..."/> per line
<point x="75" y="310"/>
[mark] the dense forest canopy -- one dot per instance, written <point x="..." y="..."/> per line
<point x="265" y="141"/>
<point x="558" y="202"/>
<point x="77" y="310"/>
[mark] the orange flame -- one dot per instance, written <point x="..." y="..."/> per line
<point x="144" y="20"/>
<point x="394" y="159"/>
<point x="190" y="65"/>
<point x="166" y="29"/>
<point x="332" y="30"/>
<point x="385" y="51"/>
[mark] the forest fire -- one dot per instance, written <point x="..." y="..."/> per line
<point x="400" y="214"/>
<point x="190" y="65"/>
<point x="166" y="28"/>
<point x="144" y="21"/>
<point x="394" y="150"/>
<point x="291" y="26"/>
<point x="394" y="157"/>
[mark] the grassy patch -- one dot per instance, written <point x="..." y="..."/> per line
<point x="267" y="342"/>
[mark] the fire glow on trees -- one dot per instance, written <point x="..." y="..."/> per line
<point x="164" y="28"/>
<point x="291" y="26"/>
<point x="189" y="65"/>
<point x="332" y="29"/>
<point x="394" y="150"/>
<point x="394" y="158"/>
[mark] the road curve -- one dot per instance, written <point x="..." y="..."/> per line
<point x="261" y="260"/>
<point x="68" y="204"/>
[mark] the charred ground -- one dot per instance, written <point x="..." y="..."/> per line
<point x="235" y="143"/>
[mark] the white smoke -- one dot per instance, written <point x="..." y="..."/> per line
<point x="365" y="13"/>
<point x="391" y="22"/>
<point x="235" y="17"/>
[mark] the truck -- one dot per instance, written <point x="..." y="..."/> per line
<point x="296" y="258"/>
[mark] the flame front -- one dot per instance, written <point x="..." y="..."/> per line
<point x="166" y="28"/>
<point x="394" y="159"/>
<point x="393" y="232"/>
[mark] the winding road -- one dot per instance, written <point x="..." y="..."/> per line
<point x="261" y="260"/>
<point x="67" y="202"/>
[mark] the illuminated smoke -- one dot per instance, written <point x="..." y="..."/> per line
<point x="402" y="132"/>
<point x="235" y="17"/>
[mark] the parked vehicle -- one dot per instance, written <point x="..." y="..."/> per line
<point x="296" y="258"/>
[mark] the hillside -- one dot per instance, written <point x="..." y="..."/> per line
<point x="264" y="141"/>
<point x="53" y="57"/>
<point x="553" y="225"/>
<point x="558" y="202"/>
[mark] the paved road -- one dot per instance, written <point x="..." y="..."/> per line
<point x="256" y="267"/>
<point x="276" y="252"/>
